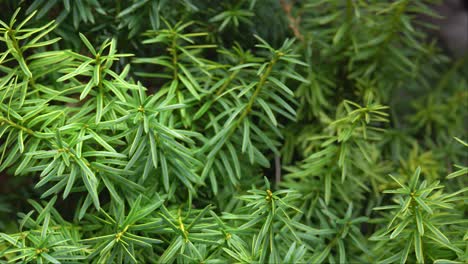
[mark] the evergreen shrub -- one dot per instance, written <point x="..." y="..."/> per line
<point x="234" y="131"/>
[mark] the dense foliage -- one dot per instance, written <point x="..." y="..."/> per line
<point x="247" y="131"/>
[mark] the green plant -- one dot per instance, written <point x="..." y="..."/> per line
<point x="178" y="131"/>
<point x="418" y="221"/>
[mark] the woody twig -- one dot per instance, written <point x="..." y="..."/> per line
<point x="293" y="21"/>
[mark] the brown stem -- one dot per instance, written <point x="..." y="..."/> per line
<point x="293" y="21"/>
